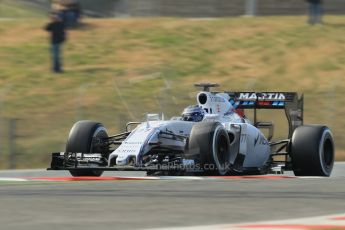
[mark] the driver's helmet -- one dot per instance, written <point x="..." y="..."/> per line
<point x="193" y="113"/>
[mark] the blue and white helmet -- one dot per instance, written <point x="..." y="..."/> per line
<point x="193" y="113"/>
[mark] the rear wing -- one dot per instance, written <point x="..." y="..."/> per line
<point x="289" y="101"/>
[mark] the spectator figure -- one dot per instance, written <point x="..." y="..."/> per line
<point x="315" y="11"/>
<point x="57" y="31"/>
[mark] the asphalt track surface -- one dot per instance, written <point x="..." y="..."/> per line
<point x="141" y="204"/>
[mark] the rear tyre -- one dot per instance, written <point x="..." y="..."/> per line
<point x="80" y="140"/>
<point x="312" y="151"/>
<point x="211" y="141"/>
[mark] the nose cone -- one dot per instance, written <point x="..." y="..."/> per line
<point x="116" y="159"/>
<point x="122" y="160"/>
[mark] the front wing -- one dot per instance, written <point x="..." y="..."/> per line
<point x="97" y="161"/>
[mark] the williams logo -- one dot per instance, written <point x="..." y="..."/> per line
<point x="262" y="96"/>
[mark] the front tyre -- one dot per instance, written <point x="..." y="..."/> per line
<point x="211" y="141"/>
<point x="80" y="140"/>
<point x="312" y="151"/>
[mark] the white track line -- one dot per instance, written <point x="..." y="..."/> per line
<point x="12" y="179"/>
<point x="320" y="222"/>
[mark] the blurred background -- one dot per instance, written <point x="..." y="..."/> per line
<point x="125" y="58"/>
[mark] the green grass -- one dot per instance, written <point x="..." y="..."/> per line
<point x="118" y="70"/>
<point x="15" y="9"/>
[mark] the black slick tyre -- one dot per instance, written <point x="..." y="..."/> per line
<point x="312" y="151"/>
<point x="80" y="141"/>
<point x="211" y="142"/>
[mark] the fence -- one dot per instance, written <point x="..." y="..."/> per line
<point x="195" y="8"/>
<point x="204" y="8"/>
<point x="8" y="137"/>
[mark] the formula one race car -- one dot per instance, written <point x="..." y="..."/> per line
<point x="210" y="138"/>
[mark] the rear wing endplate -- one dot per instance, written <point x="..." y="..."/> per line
<point x="289" y="101"/>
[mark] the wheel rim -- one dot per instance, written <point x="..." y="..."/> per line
<point x="220" y="151"/>
<point x="326" y="151"/>
<point x="99" y="133"/>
